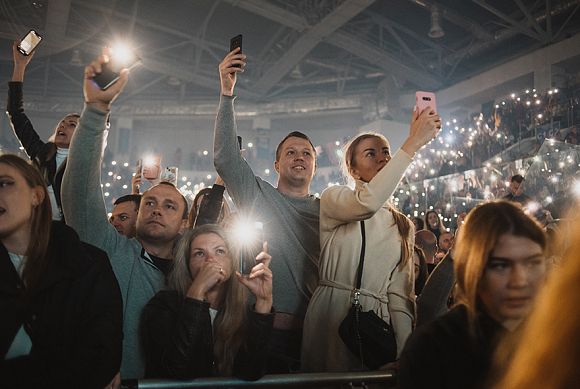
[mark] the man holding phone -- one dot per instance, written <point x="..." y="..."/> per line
<point x="289" y="214"/>
<point x="140" y="264"/>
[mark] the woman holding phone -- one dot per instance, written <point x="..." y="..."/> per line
<point x="202" y="325"/>
<point x="49" y="157"/>
<point x="387" y="280"/>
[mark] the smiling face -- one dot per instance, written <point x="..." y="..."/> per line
<point x="64" y="131"/>
<point x="369" y="157"/>
<point x="17" y="200"/>
<point x="513" y="274"/>
<point x="160" y="216"/>
<point x="209" y="247"/>
<point x="296" y="162"/>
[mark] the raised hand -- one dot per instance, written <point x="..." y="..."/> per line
<point x="228" y="72"/>
<point x="425" y="126"/>
<point x="94" y="96"/>
<point x="259" y="281"/>
<point x="21" y="61"/>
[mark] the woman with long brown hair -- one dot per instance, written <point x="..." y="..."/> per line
<point x="202" y="325"/>
<point x="387" y="278"/>
<point x="61" y="305"/>
<point x="500" y="265"/>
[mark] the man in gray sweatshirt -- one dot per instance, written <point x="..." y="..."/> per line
<point x="290" y="217"/>
<point x="140" y="264"/>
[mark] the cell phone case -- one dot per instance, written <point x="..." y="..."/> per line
<point x="424" y="100"/>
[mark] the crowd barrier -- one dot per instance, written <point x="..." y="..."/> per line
<point x="305" y="380"/>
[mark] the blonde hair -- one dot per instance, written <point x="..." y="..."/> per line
<point x="483" y="228"/>
<point x="230" y="323"/>
<point x="403" y="223"/>
<point x="549" y="350"/>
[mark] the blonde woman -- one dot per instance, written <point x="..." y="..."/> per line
<point x="387" y="281"/>
<point x="203" y="326"/>
<point x="500" y="265"/>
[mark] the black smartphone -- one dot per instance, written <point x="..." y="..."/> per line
<point x="240" y="142"/>
<point x="29" y="42"/>
<point x="110" y="71"/>
<point x="251" y="247"/>
<point x="236" y="42"/>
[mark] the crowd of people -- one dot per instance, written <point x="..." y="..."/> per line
<point x="162" y="288"/>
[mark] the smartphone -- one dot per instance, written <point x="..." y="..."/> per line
<point x="236" y="42"/>
<point x="29" y="42"/>
<point x="240" y="142"/>
<point x="251" y="247"/>
<point x="110" y="72"/>
<point x="151" y="168"/>
<point x="170" y="175"/>
<point x="424" y="100"/>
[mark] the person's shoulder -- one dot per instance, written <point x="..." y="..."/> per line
<point x="448" y="326"/>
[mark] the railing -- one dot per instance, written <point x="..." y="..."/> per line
<point x="274" y="380"/>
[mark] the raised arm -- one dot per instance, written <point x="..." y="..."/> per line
<point x="82" y="197"/>
<point x="20" y="123"/>
<point x="229" y="164"/>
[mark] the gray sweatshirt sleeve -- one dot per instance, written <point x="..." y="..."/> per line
<point x="432" y="302"/>
<point x="230" y="165"/>
<point x="82" y="197"/>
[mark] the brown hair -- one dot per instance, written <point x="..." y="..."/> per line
<point x="294" y="134"/>
<point x="230" y="323"/>
<point x="547" y="354"/>
<point x="36" y="253"/>
<point x="403" y="223"/>
<point x="478" y="237"/>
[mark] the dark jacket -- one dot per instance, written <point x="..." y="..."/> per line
<point x="444" y="354"/>
<point x="42" y="154"/>
<point x="74" y="320"/>
<point x="178" y="341"/>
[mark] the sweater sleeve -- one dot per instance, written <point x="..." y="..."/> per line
<point x="340" y="204"/>
<point x="433" y="299"/>
<point x="82" y="198"/>
<point x="21" y="124"/>
<point x="229" y="164"/>
<point x="401" y="296"/>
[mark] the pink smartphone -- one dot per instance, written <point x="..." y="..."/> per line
<point x="424" y="100"/>
<point x="151" y="168"/>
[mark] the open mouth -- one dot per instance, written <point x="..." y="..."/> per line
<point x="60" y="133"/>
<point x="299" y="168"/>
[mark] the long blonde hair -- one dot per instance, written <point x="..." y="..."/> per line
<point x="230" y="323"/>
<point x="403" y="223"/>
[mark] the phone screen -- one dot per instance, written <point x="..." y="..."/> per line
<point x="29" y="42"/>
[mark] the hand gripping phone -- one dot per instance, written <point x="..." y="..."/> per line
<point x="29" y="42"/>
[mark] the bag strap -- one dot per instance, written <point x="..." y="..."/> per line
<point x="361" y="261"/>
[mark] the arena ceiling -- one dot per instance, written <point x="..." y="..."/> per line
<point x="295" y="49"/>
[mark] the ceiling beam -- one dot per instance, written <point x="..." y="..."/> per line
<point x="57" y="15"/>
<point x="272" y="12"/>
<point x="532" y="20"/>
<point x="310" y="39"/>
<point x="383" y="60"/>
<point x="519" y="26"/>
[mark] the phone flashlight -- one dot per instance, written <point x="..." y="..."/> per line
<point x="249" y="237"/>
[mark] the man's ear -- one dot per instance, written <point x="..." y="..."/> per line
<point x="277" y="166"/>
<point x="183" y="226"/>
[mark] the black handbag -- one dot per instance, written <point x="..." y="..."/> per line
<point x="365" y="334"/>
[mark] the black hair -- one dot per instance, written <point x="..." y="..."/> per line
<point x="136" y="198"/>
<point x="517" y="178"/>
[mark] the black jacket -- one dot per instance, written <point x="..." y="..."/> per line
<point x="42" y="154"/>
<point x="444" y="354"/>
<point x="74" y="320"/>
<point x="178" y="341"/>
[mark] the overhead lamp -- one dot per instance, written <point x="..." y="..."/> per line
<point x="436" y="31"/>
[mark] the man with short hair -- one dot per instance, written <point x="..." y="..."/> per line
<point x="124" y="214"/>
<point x="140" y="264"/>
<point x="290" y="217"/>
<point x="516" y="189"/>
